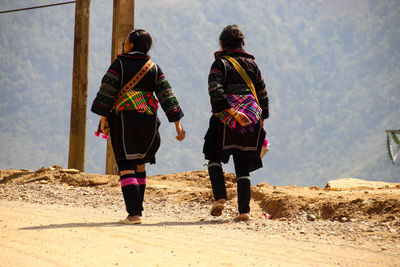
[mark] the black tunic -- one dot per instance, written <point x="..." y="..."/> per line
<point x="220" y="141"/>
<point x="134" y="136"/>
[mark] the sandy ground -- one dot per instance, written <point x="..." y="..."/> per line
<point x="54" y="235"/>
<point x="57" y="221"/>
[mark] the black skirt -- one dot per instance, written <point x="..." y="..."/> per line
<point x="135" y="138"/>
<point x="220" y="142"/>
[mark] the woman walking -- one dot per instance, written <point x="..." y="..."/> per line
<point x="239" y="102"/>
<point x="128" y="111"/>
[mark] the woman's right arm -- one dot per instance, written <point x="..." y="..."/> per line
<point x="216" y="91"/>
<point x="110" y="85"/>
<point x="104" y="126"/>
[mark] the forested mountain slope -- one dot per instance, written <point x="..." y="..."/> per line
<point x="331" y="67"/>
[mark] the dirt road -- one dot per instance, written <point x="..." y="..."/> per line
<point x="58" y="235"/>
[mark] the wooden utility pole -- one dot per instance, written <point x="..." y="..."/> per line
<point x="77" y="136"/>
<point x="123" y="23"/>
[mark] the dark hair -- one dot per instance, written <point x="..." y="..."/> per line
<point x="141" y="39"/>
<point x="232" y="37"/>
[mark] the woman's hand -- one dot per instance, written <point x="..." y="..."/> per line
<point x="240" y="117"/>
<point x="180" y="131"/>
<point x="243" y="119"/>
<point x="104" y="127"/>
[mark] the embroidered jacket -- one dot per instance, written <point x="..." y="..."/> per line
<point x="224" y="79"/>
<point x="120" y="72"/>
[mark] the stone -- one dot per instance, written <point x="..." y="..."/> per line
<point x="98" y="180"/>
<point x="366" y="202"/>
<point x="354" y="183"/>
<point x="262" y="184"/>
<point x="70" y="171"/>
<point x="42" y="169"/>
<point x="314" y="187"/>
<point x="40" y="178"/>
<point x="57" y="167"/>
<point x="311" y="217"/>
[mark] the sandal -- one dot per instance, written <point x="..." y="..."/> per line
<point x="216" y="209"/>
<point x="127" y="221"/>
<point x="244" y="217"/>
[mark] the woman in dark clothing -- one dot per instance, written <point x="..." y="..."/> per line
<point x="128" y="111"/>
<point x="236" y="126"/>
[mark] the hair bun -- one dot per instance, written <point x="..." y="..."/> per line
<point x="232" y="37"/>
<point x="237" y="34"/>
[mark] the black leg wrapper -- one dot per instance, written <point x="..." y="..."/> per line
<point x="141" y="178"/>
<point x="243" y="183"/>
<point x="217" y="180"/>
<point x="243" y="189"/>
<point x="131" y="193"/>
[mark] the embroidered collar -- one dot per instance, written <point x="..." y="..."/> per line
<point x="224" y="52"/>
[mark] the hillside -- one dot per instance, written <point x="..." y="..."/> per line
<point x="331" y="68"/>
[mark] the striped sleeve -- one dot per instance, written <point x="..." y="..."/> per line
<point x="169" y="103"/>
<point x="110" y="85"/>
<point x="216" y="79"/>
<point x="262" y="95"/>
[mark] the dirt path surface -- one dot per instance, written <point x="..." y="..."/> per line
<point x="56" y="221"/>
<point x="54" y="235"/>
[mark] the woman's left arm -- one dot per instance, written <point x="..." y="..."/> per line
<point x="180" y="131"/>
<point x="169" y="103"/>
<point x="110" y="85"/>
<point x="262" y="95"/>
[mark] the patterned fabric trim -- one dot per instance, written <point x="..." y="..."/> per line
<point x="132" y="83"/>
<point x="216" y="90"/>
<point x="129" y="181"/>
<point x="108" y="88"/>
<point x="141" y="180"/>
<point x="245" y="104"/>
<point x="168" y="101"/>
<point x="142" y="102"/>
